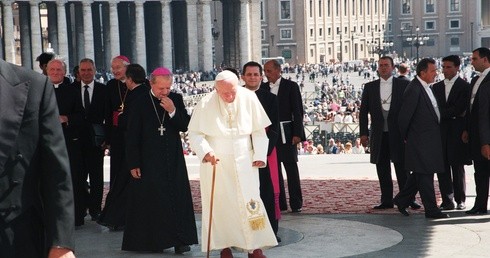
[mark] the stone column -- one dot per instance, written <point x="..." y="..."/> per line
<point x="256" y="35"/>
<point x="207" y="37"/>
<point x="36" y="39"/>
<point x="166" y="34"/>
<point x="62" y="29"/>
<point x="191" y="35"/>
<point x="114" y="28"/>
<point x="140" y="33"/>
<point x="88" y="32"/>
<point x="245" y="31"/>
<point x="9" y="31"/>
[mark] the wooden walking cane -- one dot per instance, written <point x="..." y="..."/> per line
<point x="211" y="210"/>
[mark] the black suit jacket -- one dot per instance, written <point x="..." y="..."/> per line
<point x="452" y="123"/>
<point x="291" y="109"/>
<point x="36" y="197"/>
<point x="473" y="118"/>
<point x="419" y="126"/>
<point x="70" y="105"/>
<point x="484" y="111"/>
<point x="269" y="103"/>
<point x="97" y="110"/>
<point x="371" y="104"/>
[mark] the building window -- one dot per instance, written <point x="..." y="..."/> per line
<point x="345" y="7"/>
<point x="430" y="25"/>
<point x="311" y="53"/>
<point x="454" y="5"/>
<point x="320" y="32"/>
<point x="454" y="24"/>
<point x="262" y="34"/>
<point x="390" y="29"/>
<point x="337" y="7"/>
<point x="329" y="30"/>
<point x="406" y="7"/>
<point x="360" y="7"/>
<point x="311" y="33"/>
<point x="353" y="7"/>
<point x="368" y="8"/>
<point x="320" y="7"/>
<point x="328" y="8"/>
<point x="430" y="6"/>
<point x="287" y="53"/>
<point x="311" y="8"/>
<point x="405" y="25"/>
<point x="454" y="42"/>
<point x="361" y="28"/>
<point x="285" y="9"/>
<point x="375" y="6"/>
<point x="383" y="7"/>
<point x="261" y="11"/>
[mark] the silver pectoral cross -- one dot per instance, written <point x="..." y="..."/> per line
<point x="161" y="129"/>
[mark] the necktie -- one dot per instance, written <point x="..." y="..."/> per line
<point x="86" y="99"/>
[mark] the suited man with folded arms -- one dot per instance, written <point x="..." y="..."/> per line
<point x="477" y="116"/>
<point x="419" y="125"/>
<point x="452" y="96"/>
<point x="36" y="197"/>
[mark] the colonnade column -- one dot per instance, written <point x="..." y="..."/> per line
<point x="244" y="31"/>
<point x="256" y="32"/>
<point x="166" y="35"/>
<point x="36" y="43"/>
<point x="88" y="32"/>
<point x="8" y="35"/>
<point x="191" y="35"/>
<point x="140" y="33"/>
<point x="114" y="28"/>
<point x="207" y="37"/>
<point x="62" y="29"/>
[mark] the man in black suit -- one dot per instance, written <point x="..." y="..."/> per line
<point x="71" y="118"/>
<point x="291" y="118"/>
<point x="36" y="203"/>
<point x="452" y="95"/>
<point x="269" y="175"/>
<point x="403" y="72"/>
<point x="476" y="132"/>
<point x="93" y="96"/>
<point x="382" y="100"/>
<point x="419" y="125"/>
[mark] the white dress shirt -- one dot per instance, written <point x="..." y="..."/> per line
<point x="477" y="84"/>
<point x="448" y="85"/>
<point x="275" y="86"/>
<point x="90" y="91"/>
<point x="385" y="91"/>
<point x="432" y="97"/>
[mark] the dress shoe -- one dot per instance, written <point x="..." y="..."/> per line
<point x="383" y="206"/>
<point x="476" y="211"/>
<point x="257" y="253"/>
<point x="414" y="205"/>
<point x="95" y="216"/>
<point x="278" y="239"/>
<point x="226" y="253"/>
<point x="182" y="249"/>
<point x="296" y="210"/>
<point x="403" y="210"/>
<point x="437" y="216"/>
<point x="461" y="206"/>
<point x="447" y="206"/>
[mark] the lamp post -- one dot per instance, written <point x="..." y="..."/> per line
<point x="417" y="41"/>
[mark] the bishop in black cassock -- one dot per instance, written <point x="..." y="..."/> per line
<point x="160" y="212"/>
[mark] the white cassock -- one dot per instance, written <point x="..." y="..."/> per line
<point x="235" y="132"/>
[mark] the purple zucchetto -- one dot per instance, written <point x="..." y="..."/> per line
<point x="124" y="58"/>
<point x="161" y="71"/>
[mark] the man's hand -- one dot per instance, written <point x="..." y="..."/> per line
<point x="258" y="163"/>
<point x="167" y="104"/>
<point x="211" y="158"/>
<point x="464" y="136"/>
<point x="136" y="173"/>
<point x="364" y="140"/>
<point x="295" y="140"/>
<point x="485" y="151"/>
<point x="63" y="119"/>
<point x="60" y="253"/>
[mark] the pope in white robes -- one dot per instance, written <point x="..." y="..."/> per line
<point x="227" y="128"/>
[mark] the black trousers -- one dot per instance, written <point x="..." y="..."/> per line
<point x="79" y="187"/>
<point x="93" y="168"/>
<point x="482" y="173"/>
<point x="294" y="186"/>
<point x="383" y="169"/>
<point x="424" y="183"/>
<point x="452" y="183"/>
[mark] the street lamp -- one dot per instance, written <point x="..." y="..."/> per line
<point x="417" y="41"/>
<point x="387" y="45"/>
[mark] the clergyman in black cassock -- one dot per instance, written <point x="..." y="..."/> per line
<point x="160" y="212"/>
<point x="113" y="215"/>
